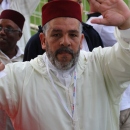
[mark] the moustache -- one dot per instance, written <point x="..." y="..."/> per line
<point x="64" y="49"/>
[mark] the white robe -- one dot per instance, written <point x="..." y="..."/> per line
<point x="28" y="97"/>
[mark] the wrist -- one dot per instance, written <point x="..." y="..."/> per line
<point x="125" y="25"/>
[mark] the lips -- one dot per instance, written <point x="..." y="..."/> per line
<point x="2" y="39"/>
<point x="63" y="52"/>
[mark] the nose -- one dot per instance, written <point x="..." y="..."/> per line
<point x="65" y="41"/>
<point x="2" y="31"/>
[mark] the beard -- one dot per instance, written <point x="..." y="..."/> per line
<point x="52" y="56"/>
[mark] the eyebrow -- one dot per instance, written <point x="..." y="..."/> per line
<point x="70" y="31"/>
<point x="56" y="30"/>
<point x="73" y="31"/>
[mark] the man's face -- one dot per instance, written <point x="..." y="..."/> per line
<point x="8" y="40"/>
<point x="62" y="42"/>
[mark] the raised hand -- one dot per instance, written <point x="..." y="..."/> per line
<point x="114" y="12"/>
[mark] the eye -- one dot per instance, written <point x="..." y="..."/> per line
<point x="73" y="35"/>
<point x="8" y="29"/>
<point x="56" y="35"/>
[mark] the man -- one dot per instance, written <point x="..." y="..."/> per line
<point x="26" y="8"/>
<point x="69" y="89"/>
<point x="11" y="25"/>
<point x="91" y="40"/>
<point x="125" y="110"/>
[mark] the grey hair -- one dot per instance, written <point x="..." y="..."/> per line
<point x="46" y="27"/>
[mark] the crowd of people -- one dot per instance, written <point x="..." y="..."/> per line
<point x="70" y="75"/>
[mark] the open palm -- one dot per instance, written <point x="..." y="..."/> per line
<point x="114" y="12"/>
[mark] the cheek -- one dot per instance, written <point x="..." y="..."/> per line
<point x="51" y="48"/>
<point x="76" y="44"/>
<point x="52" y="44"/>
<point x="13" y="38"/>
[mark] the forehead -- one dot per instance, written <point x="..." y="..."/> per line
<point x="64" y="23"/>
<point x="8" y="22"/>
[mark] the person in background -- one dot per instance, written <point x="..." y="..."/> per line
<point x="11" y="25"/>
<point x="67" y="88"/>
<point x="105" y="32"/>
<point x="33" y="47"/>
<point x="26" y="8"/>
<point x="90" y="41"/>
<point x="91" y="37"/>
<point x="125" y="110"/>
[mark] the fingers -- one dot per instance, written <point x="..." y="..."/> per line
<point x="99" y="21"/>
<point x="100" y="1"/>
<point x="95" y="5"/>
<point x="112" y="12"/>
<point x="2" y="66"/>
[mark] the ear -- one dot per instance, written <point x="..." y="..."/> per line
<point x="81" y="39"/>
<point x="42" y="39"/>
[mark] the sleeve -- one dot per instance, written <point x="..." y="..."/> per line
<point x="11" y="88"/>
<point x="116" y="64"/>
<point x="26" y="7"/>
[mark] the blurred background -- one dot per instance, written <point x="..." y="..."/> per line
<point x="35" y="19"/>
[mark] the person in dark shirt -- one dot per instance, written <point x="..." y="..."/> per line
<point x="33" y="47"/>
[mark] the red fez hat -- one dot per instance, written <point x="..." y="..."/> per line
<point x="13" y="15"/>
<point x="60" y="8"/>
